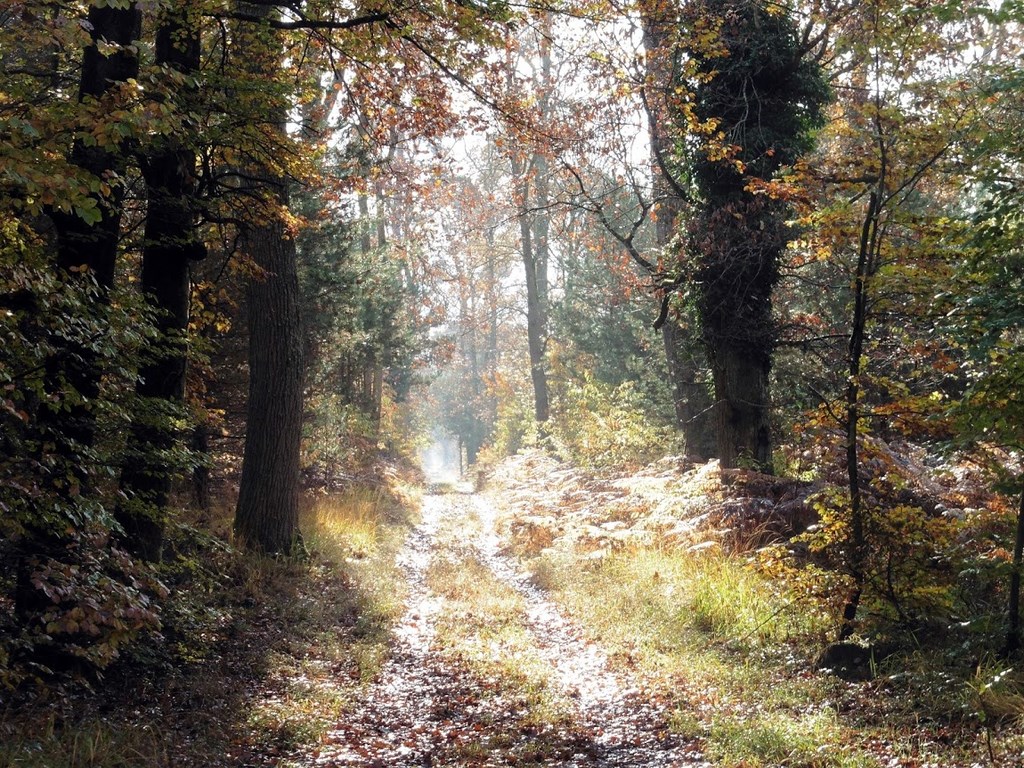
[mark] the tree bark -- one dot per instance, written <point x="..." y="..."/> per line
<point x="267" y="514"/>
<point x="531" y="173"/>
<point x="740" y="244"/>
<point x="170" y="243"/>
<point x="684" y="354"/>
<point x="536" y="313"/>
<point x="201" y="494"/>
<point x="741" y="409"/>
<point x="691" y="400"/>
<point x="763" y="91"/>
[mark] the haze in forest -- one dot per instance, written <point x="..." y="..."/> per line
<point x="478" y="383"/>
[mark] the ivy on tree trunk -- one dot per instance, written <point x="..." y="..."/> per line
<point x="757" y="100"/>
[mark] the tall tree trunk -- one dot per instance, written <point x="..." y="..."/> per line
<point x="684" y="354"/>
<point x="475" y="428"/>
<point x="201" y="495"/>
<point x="267" y="514"/>
<point x="857" y="545"/>
<point x="170" y="243"/>
<point x="536" y="312"/>
<point x="531" y="173"/>
<point x="491" y="352"/>
<point x="742" y="240"/>
<point x="377" y="401"/>
<point x="693" y="405"/>
<point x="762" y="90"/>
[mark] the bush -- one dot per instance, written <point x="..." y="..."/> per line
<point x="514" y="427"/>
<point x="597" y="426"/>
<point x="87" y="599"/>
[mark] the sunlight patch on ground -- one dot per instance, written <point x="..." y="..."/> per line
<point x="485" y="671"/>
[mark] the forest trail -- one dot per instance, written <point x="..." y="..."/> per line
<point x="430" y="707"/>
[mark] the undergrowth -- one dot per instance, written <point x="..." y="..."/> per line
<point x="721" y="640"/>
<point x="746" y="649"/>
<point x="736" y="653"/>
<point x="258" y="656"/>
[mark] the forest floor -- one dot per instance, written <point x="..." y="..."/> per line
<point x="555" y="618"/>
<point x="486" y="670"/>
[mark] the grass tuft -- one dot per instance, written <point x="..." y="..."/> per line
<point x="779" y="739"/>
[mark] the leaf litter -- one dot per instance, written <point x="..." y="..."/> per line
<point x="429" y="708"/>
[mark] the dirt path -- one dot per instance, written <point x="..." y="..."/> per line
<point x="428" y="710"/>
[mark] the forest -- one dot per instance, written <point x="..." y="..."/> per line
<point x="492" y="382"/>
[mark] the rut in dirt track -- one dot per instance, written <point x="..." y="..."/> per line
<point x="427" y="710"/>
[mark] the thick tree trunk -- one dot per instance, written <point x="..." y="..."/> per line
<point x="267" y="515"/>
<point x="762" y="92"/>
<point x="170" y="243"/>
<point x="741" y="410"/>
<point x="742" y="406"/>
<point x="737" y="276"/>
<point x="694" y="408"/>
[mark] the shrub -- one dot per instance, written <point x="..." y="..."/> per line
<point x="597" y="425"/>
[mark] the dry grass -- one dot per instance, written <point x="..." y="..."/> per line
<point x="712" y="634"/>
<point x="733" y="650"/>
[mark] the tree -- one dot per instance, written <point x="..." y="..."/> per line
<point x="421" y="37"/>
<point x="170" y="244"/>
<point x="757" y="99"/>
<point x="893" y="161"/>
<point x="985" y="313"/>
<point x="531" y="174"/>
<point x="267" y="513"/>
<point x="662" y="26"/>
<point x="89" y="235"/>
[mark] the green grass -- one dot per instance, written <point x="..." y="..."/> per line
<point x="811" y="740"/>
<point x="735" y="651"/>
<point x="719" y="638"/>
